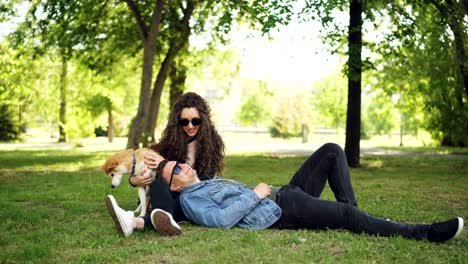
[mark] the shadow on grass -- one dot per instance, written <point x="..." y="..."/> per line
<point x="51" y="159"/>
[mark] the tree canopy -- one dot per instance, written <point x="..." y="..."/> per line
<point x="91" y="63"/>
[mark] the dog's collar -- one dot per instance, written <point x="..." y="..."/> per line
<point x="133" y="164"/>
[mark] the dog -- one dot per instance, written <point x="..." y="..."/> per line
<point x="129" y="162"/>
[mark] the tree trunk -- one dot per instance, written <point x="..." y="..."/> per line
<point x="110" y="126"/>
<point x="156" y="97"/>
<point x="138" y="125"/>
<point x="455" y="15"/>
<point x="353" y="118"/>
<point x="178" y="75"/>
<point x="149" y="39"/>
<point x="177" y="43"/>
<point x="63" y="101"/>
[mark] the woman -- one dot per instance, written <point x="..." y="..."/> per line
<point x="189" y="137"/>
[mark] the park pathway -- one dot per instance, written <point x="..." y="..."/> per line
<point x="275" y="149"/>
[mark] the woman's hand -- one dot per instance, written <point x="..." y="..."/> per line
<point x="152" y="159"/>
<point x="142" y="179"/>
<point x="262" y="190"/>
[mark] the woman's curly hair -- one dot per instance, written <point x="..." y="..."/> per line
<point x="210" y="146"/>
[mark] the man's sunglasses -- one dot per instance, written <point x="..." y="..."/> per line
<point x="176" y="170"/>
<point x="186" y="122"/>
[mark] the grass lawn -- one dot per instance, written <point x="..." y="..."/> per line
<point x="53" y="210"/>
<point x="431" y="150"/>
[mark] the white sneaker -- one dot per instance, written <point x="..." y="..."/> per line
<point x="164" y="223"/>
<point x="122" y="219"/>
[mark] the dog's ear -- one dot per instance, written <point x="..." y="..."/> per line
<point x="113" y="164"/>
<point x="103" y="167"/>
<point x="109" y="165"/>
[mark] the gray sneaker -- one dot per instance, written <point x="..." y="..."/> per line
<point x="164" y="223"/>
<point x="122" y="219"/>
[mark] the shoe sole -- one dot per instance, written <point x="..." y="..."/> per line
<point x="110" y="202"/>
<point x="460" y="227"/>
<point x="162" y="223"/>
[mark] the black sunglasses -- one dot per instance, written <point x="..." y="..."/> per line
<point x="194" y="121"/>
<point x="176" y="170"/>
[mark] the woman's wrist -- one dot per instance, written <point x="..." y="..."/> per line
<point x="130" y="181"/>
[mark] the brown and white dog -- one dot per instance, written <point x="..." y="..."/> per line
<point x="129" y="162"/>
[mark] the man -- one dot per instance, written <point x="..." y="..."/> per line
<point x="226" y="203"/>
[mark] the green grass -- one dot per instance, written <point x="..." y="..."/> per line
<point x="52" y="210"/>
<point x="431" y="150"/>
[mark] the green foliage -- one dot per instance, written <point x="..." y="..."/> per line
<point x="99" y="104"/>
<point x="9" y="125"/>
<point x="380" y="115"/>
<point x="63" y="27"/>
<point x="101" y="35"/>
<point x="220" y="66"/>
<point x="284" y="128"/>
<point x="7" y="10"/>
<point x="31" y="83"/>
<point x="252" y="111"/>
<point x="265" y="15"/>
<point x="291" y="115"/>
<point x="448" y="122"/>
<point x="25" y="83"/>
<point x="9" y="96"/>
<point x="95" y="95"/>
<point x="60" y="28"/>
<point x="334" y="30"/>
<point x="53" y="209"/>
<point x="329" y="98"/>
<point x="111" y="36"/>
<point x="419" y="66"/>
<point x="416" y="56"/>
<point x="256" y="105"/>
<point x="271" y="13"/>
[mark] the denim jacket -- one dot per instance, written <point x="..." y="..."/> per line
<point x="227" y="203"/>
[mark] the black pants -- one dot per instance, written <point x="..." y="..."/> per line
<point x="302" y="207"/>
<point x="162" y="197"/>
<point x="328" y="163"/>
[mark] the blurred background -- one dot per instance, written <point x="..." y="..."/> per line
<point x="278" y="74"/>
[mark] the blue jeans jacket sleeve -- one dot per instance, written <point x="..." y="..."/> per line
<point x="218" y="205"/>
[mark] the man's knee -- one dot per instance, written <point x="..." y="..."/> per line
<point x="332" y="146"/>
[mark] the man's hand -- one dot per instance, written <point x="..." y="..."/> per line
<point x="141" y="180"/>
<point x="152" y="159"/>
<point x="262" y="190"/>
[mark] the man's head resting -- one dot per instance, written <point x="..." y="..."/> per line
<point x="182" y="177"/>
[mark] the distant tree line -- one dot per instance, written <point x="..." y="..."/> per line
<point x="73" y="64"/>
